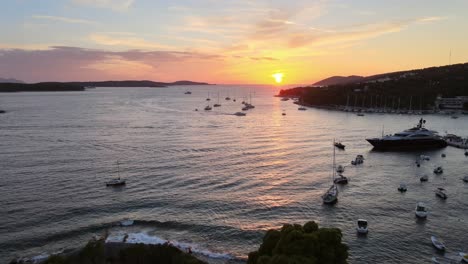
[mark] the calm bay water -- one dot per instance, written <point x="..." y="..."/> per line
<point x="212" y="179"/>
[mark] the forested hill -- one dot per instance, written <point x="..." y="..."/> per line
<point x="420" y="87"/>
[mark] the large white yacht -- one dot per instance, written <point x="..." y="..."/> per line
<point x="416" y="137"/>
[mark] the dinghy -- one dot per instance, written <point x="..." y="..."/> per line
<point x="437" y="243"/>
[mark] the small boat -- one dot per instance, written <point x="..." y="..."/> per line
<point x="234" y="100"/>
<point x="362" y="226"/>
<point x="126" y="222"/>
<point x="358" y="160"/>
<point x="438" y="170"/>
<point x="331" y="195"/>
<point x="227" y="98"/>
<point x="118" y="181"/>
<point x="424" y="178"/>
<point x="301" y="108"/>
<point x="360" y="114"/>
<point x="340" y="169"/>
<point x="443" y="155"/>
<point x="283" y="113"/>
<point x="418" y="164"/>
<point x="240" y="114"/>
<point x="339" y="145"/>
<point x="196" y="109"/>
<point x="440" y="192"/>
<point x="454" y="117"/>
<point x="402" y="187"/>
<point x="208" y="99"/>
<point x="341" y="180"/>
<point x="465" y="179"/>
<point x="208" y="108"/>
<point x="464" y="256"/>
<point x="245" y="108"/>
<point x="424" y="157"/>
<point x="439" y="244"/>
<point x="420" y="210"/>
<point x="216" y="105"/>
<point x="188" y="92"/>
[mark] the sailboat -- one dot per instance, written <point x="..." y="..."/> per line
<point x="331" y="195"/>
<point x="217" y="104"/>
<point x="208" y="98"/>
<point x="227" y="97"/>
<point x="118" y="181"/>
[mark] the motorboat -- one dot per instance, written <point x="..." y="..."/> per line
<point x="188" y="92"/>
<point x="437" y="243"/>
<point x="208" y="108"/>
<point x="301" y="108"/>
<point x="465" y="179"/>
<point x="217" y="105"/>
<point x="340" y="180"/>
<point x="362" y="226"/>
<point x="420" y="210"/>
<point x="424" y="178"/>
<point x="331" y="195"/>
<point x="358" y="160"/>
<point x="417" y="137"/>
<point x="438" y="170"/>
<point x="440" y="192"/>
<point x="464" y="256"/>
<point x="340" y="169"/>
<point x="456" y="141"/>
<point x="402" y="187"/>
<point x="424" y="157"/>
<point x="339" y="145"/>
<point x="126" y="222"/>
<point x="443" y="155"/>
<point x="227" y="98"/>
<point x="283" y="113"/>
<point x="240" y="114"/>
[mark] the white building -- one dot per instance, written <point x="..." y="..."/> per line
<point x="451" y="102"/>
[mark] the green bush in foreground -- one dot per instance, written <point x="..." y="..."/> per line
<point x="296" y="244"/>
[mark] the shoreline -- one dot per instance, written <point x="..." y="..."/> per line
<point x="343" y="108"/>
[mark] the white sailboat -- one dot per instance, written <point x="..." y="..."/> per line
<point x="331" y="195"/>
<point x="118" y="181"/>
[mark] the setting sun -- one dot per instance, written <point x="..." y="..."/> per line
<point x="278" y="77"/>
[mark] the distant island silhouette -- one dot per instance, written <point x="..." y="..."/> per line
<point x="9" y="87"/>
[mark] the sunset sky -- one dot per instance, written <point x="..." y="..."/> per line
<point x="231" y="41"/>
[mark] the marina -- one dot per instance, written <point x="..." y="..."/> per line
<point x="214" y="180"/>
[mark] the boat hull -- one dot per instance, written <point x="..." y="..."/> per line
<point x="382" y="144"/>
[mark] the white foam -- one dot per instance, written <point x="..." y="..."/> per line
<point x="145" y="238"/>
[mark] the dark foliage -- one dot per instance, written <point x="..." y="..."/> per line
<point x="296" y="244"/>
<point x="95" y="252"/>
<point x="417" y="89"/>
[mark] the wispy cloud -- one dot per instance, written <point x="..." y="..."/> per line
<point x="127" y="41"/>
<point x="64" y="19"/>
<point x="72" y="63"/>
<point x="118" y="5"/>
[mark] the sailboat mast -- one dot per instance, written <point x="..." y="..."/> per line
<point x="333" y="168"/>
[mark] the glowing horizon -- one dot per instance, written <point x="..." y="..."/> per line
<point x="229" y="42"/>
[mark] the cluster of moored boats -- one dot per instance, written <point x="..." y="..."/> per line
<point x="417" y="137"/>
<point x="247" y="105"/>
